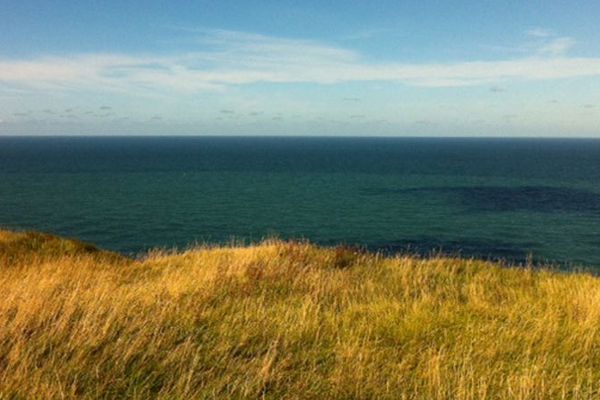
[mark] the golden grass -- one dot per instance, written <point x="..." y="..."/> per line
<point x="289" y="320"/>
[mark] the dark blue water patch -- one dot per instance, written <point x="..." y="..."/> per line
<point x="493" y="250"/>
<point x="501" y="198"/>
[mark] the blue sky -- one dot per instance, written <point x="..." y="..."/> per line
<point x="477" y="68"/>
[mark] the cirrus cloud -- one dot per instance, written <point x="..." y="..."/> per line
<point x="227" y="58"/>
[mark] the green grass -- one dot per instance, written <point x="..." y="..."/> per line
<point x="289" y="320"/>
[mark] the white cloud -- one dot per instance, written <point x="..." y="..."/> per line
<point x="557" y="47"/>
<point x="234" y="58"/>
<point x="539" y="32"/>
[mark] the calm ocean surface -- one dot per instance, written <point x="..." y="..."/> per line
<point x="490" y="198"/>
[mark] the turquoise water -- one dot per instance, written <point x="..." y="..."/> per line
<point x="490" y="198"/>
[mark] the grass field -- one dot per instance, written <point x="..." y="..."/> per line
<point x="286" y="320"/>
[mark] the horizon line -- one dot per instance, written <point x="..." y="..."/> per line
<point x="293" y="136"/>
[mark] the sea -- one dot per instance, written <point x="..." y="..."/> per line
<point x="524" y="201"/>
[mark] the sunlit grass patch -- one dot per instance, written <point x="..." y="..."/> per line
<point x="289" y="320"/>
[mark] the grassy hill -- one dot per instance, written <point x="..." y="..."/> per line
<point x="288" y="320"/>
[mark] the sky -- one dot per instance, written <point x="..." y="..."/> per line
<point x="341" y="68"/>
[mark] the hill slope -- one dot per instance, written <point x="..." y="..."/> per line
<point x="288" y="320"/>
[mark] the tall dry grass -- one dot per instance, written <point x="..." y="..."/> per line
<point x="289" y="320"/>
